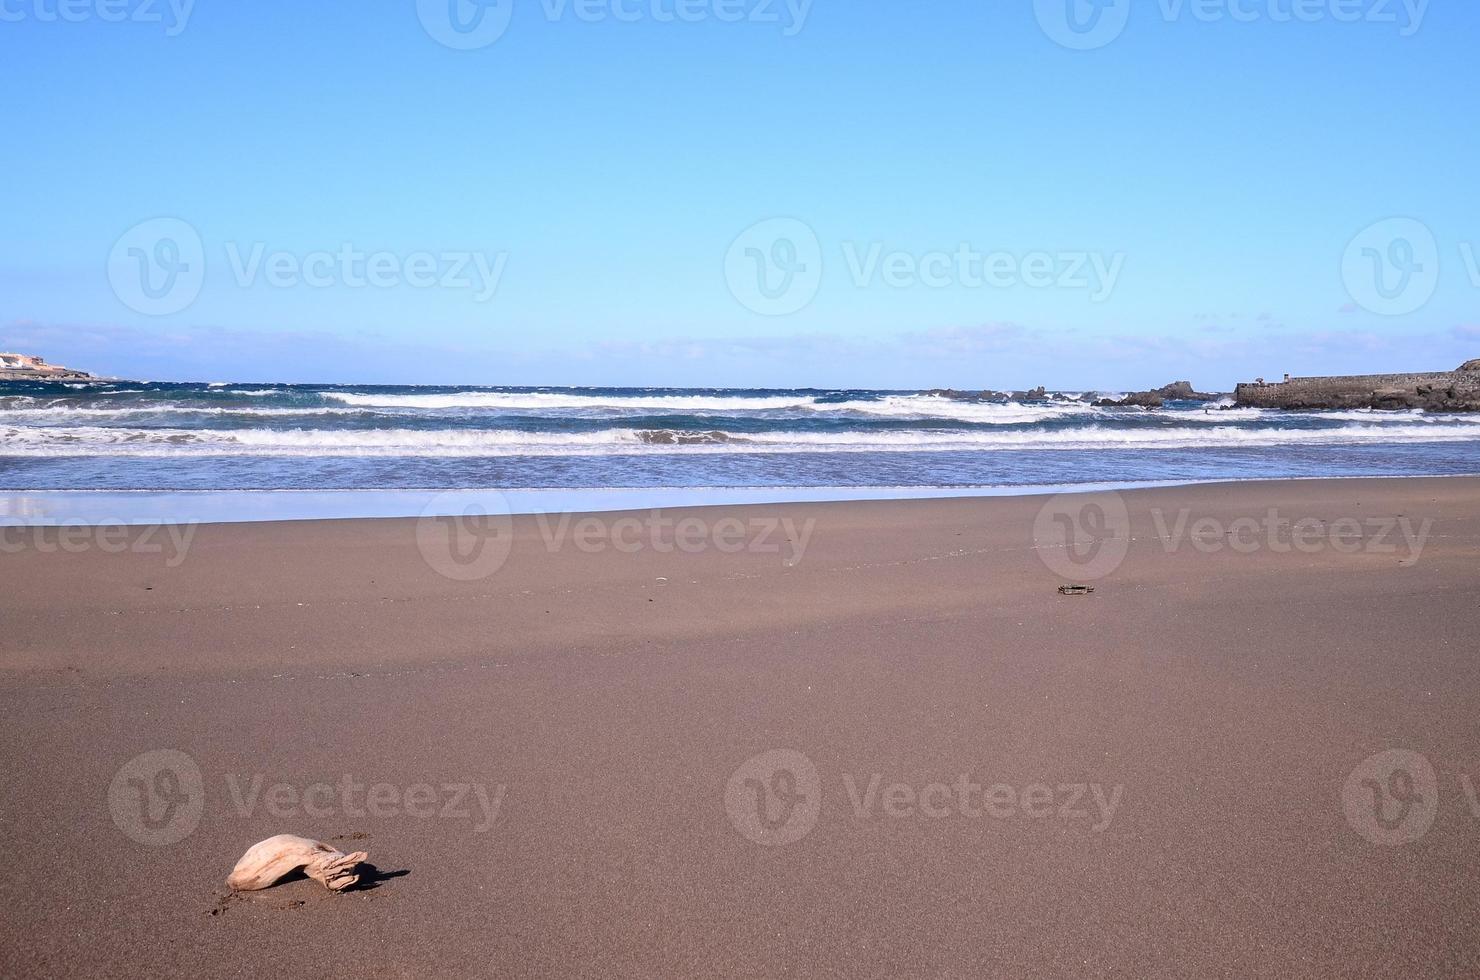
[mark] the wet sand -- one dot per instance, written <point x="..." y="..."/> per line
<point x="560" y="768"/>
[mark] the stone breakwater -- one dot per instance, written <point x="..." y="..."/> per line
<point x="1441" y="391"/>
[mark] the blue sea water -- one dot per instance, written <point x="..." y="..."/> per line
<point x="227" y="436"/>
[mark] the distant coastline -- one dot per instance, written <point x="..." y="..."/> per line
<point x="1435" y="391"/>
<point x="29" y="367"/>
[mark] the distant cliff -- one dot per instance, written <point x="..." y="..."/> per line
<point x="1445" y="391"/>
<point x="27" y="367"/>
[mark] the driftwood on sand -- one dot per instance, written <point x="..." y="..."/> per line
<point x="268" y="861"/>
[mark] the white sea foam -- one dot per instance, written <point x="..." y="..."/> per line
<point x="27" y="409"/>
<point x="894" y="406"/>
<point x="539" y="401"/>
<point x="117" y="441"/>
<point x="59" y="416"/>
<point x="936" y="407"/>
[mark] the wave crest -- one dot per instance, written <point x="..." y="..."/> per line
<point x="108" y="441"/>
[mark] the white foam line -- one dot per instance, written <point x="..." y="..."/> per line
<point x="134" y="507"/>
<point x="51" y="441"/>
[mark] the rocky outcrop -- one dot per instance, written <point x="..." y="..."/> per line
<point x="1156" y="398"/>
<point x="1183" y="391"/>
<point x="968" y="396"/>
<point x="1442" y="391"/>
<point x="1039" y="394"/>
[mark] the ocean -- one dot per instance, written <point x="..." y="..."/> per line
<point x="171" y="437"/>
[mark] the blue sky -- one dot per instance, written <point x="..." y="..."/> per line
<point x="591" y="195"/>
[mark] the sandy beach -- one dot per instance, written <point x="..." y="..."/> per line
<point x="843" y="739"/>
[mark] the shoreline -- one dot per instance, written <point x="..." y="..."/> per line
<point x="36" y="508"/>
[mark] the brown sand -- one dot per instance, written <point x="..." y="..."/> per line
<point x="1228" y="696"/>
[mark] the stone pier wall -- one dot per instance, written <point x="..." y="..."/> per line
<point x="1441" y="390"/>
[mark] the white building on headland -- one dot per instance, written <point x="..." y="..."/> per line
<point x="29" y="364"/>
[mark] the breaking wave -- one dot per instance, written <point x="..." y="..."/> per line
<point x="100" y="440"/>
<point x="288" y="436"/>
